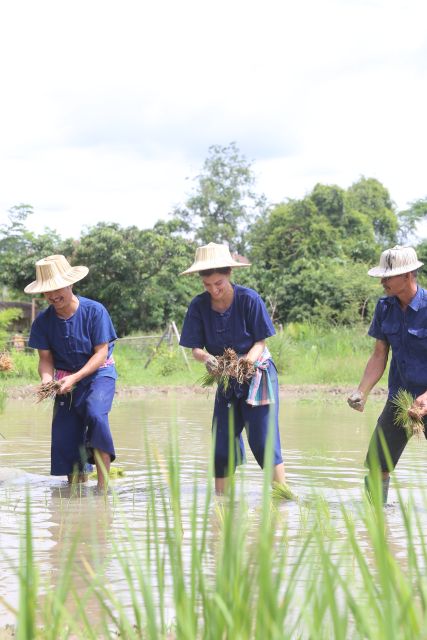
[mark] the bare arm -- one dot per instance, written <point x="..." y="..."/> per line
<point x="200" y="354"/>
<point x="375" y="367"/>
<point x="255" y="351"/>
<point x="99" y="357"/>
<point x="373" y="371"/>
<point x="46" y="368"/>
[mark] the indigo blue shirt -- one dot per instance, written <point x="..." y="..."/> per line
<point x="245" y="322"/>
<point x="406" y="333"/>
<point x="72" y="341"/>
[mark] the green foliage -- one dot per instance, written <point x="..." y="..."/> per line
<point x="21" y="248"/>
<point x="309" y="256"/>
<point x="303" y="352"/>
<point x="134" y="273"/>
<point x="308" y="354"/>
<point x="24" y="368"/>
<point x="7" y="317"/>
<point x="330" y="202"/>
<point x="223" y="204"/>
<point x="370" y="197"/>
<point x="409" y="219"/>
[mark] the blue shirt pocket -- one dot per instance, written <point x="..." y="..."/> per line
<point x="391" y="330"/>
<point x="418" y="340"/>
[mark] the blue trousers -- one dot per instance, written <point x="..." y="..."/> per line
<point x="236" y="412"/>
<point x="80" y="425"/>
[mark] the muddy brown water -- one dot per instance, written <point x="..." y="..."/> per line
<point x="323" y="441"/>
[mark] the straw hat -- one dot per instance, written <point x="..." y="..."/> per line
<point x="213" y="256"/>
<point x="395" y="262"/>
<point x="55" y="272"/>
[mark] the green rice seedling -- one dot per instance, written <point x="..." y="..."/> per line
<point x="113" y="473"/>
<point x="229" y="366"/>
<point x="28" y="579"/>
<point x="212" y="568"/>
<point x="403" y="401"/>
<point x="3" y="399"/>
<point x="225" y="369"/>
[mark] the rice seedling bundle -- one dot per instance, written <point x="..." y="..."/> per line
<point x="229" y="366"/>
<point x="413" y="425"/>
<point x="114" y="472"/>
<point x="47" y="390"/>
<point x="6" y="362"/>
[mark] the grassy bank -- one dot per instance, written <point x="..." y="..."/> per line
<point x="304" y="354"/>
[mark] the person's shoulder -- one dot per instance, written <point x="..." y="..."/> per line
<point x="88" y="303"/>
<point x="245" y="292"/>
<point x="201" y="300"/>
<point x="44" y="315"/>
<point x="384" y="305"/>
<point x="386" y="301"/>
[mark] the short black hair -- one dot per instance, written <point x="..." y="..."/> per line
<point x="225" y="271"/>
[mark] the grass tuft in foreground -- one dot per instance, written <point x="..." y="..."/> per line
<point x="222" y="571"/>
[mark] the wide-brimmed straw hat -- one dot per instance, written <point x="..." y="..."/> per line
<point x="213" y="256"/>
<point x="395" y="262"/>
<point x="55" y="272"/>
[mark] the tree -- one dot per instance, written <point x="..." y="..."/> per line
<point x="223" y="204"/>
<point x="20" y="248"/>
<point x="310" y="257"/>
<point x="368" y="196"/>
<point x="291" y="232"/>
<point x="134" y="273"/>
<point x="409" y="219"/>
<point x="330" y="202"/>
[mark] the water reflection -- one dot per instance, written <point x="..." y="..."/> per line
<point x="324" y="445"/>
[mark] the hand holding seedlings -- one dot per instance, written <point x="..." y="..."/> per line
<point x="227" y="366"/>
<point x="211" y="364"/>
<point x="408" y="414"/>
<point x="47" y="390"/>
<point x="418" y="409"/>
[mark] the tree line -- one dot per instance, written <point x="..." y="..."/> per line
<point x="309" y="256"/>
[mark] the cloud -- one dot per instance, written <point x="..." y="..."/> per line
<point x="109" y="108"/>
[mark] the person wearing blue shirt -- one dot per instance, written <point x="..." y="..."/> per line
<point x="399" y="324"/>
<point x="75" y="338"/>
<point x="225" y="316"/>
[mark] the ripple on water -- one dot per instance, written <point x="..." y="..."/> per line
<point x="324" y="460"/>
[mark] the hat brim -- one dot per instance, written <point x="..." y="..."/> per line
<point x="379" y="272"/>
<point x="205" y="265"/>
<point x="74" y="275"/>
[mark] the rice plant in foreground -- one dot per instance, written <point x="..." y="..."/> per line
<point x="223" y="571"/>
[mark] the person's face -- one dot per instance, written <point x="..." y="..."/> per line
<point x="60" y="298"/>
<point x="395" y="285"/>
<point x="217" y="285"/>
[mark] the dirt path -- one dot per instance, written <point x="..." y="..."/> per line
<point x="289" y="391"/>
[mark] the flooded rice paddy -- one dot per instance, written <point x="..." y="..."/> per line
<point x="323" y="441"/>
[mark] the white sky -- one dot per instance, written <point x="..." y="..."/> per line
<point x="108" y="108"/>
